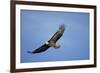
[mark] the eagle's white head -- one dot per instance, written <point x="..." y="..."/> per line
<point x="55" y="45"/>
<point x="46" y="43"/>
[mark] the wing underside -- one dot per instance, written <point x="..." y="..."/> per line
<point x="41" y="49"/>
<point x="58" y="34"/>
<point x="54" y="39"/>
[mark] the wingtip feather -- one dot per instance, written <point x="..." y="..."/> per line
<point x="29" y="52"/>
<point x="62" y="26"/>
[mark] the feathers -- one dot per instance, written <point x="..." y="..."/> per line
<point x="58" y="34"/>
<point x="41" y="49"/>
<point x="52" y="41"/>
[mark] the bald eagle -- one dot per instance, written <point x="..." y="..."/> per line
<point x="51" y="42"/>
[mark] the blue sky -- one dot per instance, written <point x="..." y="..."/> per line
<point x="37" y="27"/>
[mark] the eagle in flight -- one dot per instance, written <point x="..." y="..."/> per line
<point x="51" y="42"/>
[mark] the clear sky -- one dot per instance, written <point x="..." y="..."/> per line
<point x="37" y="27"/>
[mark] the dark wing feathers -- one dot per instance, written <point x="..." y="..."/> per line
<point x="58" y="34"/>
<point x="41" y="49"/>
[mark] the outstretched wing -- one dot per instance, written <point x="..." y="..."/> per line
<point x="54" y="39"/>
<point x="58" y="34"/>
<point x="41" y="49"/>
